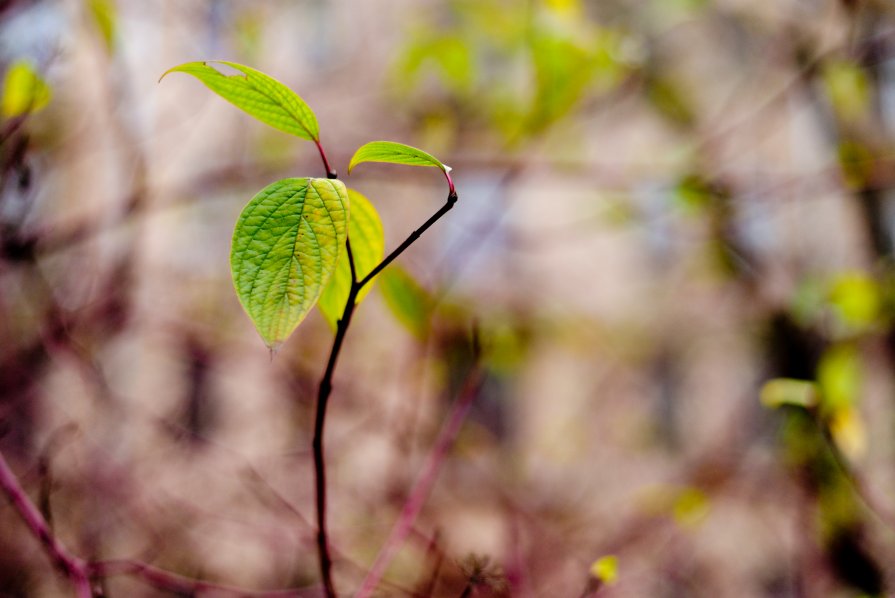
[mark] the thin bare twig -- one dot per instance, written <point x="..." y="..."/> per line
<point x="74" y="568"/>
<point x="423" y="485"/>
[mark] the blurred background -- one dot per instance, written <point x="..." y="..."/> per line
<point x="674" y="246"/>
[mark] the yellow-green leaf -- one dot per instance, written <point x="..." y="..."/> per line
<point x="410" y="303"/>
<point x="105" y="16"/>
<point x="789" y="391"/>
<point x="286" y="245"/>
<point x="24" y="90"/>
<point x="394" y="153"/>
<point x="605" y="569"/>
<point x="368" y="248"/>
<point x="839" y="375"/>
<point x="847" y="430"/>
<point x="258" y="94"/>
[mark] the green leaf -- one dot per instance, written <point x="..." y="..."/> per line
<point x="394" y="153"/>
<point x="24" y="90"/>
<point x="260" y="95"/>
<point x="840" y="375"/>
<point x="367" y="247"/>
<point x="105" y="17"/>
<point x="410" y="303"/>
<point x="789" y="391"/>
<point x="286" y="245"/>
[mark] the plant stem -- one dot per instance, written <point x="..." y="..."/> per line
<point x="325" y="388"/>
<point x="73" y="567"/>
<point x="330" y="173"/>
<point x="451" y="200"/>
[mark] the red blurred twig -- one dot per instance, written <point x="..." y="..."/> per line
<point x="71" y="566"/>
<point x="423" y="485"/>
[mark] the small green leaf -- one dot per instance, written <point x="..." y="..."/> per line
<point x="367" y="247"/>
<point x="407" y="299"/>
<point x="394" y="153"/>
<point x="24" y="90"/>
<point x="287" y="242"/>
<point x="260" y="95"/>
<point x="789" y="391"/>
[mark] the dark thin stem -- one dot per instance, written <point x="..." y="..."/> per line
<point x="323" y="393"/>
<point x="325" y="388"/>
<point x="451" y="200"/>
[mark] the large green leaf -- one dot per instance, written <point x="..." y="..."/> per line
<point x="260" y="95"/>
<point x="395" y="153"/>
<point x="367" y="247"/>
<point x="286" y="245"/>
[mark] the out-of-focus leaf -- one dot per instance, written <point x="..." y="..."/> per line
<point x="857" y="300"/>
<point x="450" y="53"/>
<point x="693" y="194"/>
<point x="563" y="70"/>
<point x="410" y="303"/>
<point x="105" y="16"/>
<point x="287" y="242"/>
<point x="848" y="89"/>
<point x="605" y="569"/>
<point x="504" y="347"/>
<point x="394" y="153"/>
<point x="856" y="162"/>
<point x="669" y="100"/>
<point x="839" y="376"/>
<point x="258" y="94"/>
<point x="368" y="248"/>
<point x="24" y="90"/>
<point x="787" y="391"/>
<point x="847" y="431"/>
<point x="691" y="506"/>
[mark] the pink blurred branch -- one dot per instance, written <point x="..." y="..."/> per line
<point x="80" y="572"/>
<point x="423" y="485"/>
<point x="71" y="566"/>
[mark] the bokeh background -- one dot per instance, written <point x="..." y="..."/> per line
<point x="673" y="246"/>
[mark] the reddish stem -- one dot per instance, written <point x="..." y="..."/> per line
<point x="423" y="485"/>
<point x="73" y="567"/>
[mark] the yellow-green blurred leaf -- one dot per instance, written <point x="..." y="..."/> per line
<point x="847" y="430"/>
<point x="848" y="89"/>
<point x="410" y="303"/>
<point x="788" y="391"/>
<point x="839" y="376"/>
<point x="857" y="300"/>
<point x="605" y="569"/>
<point x="105" y="15"/>
<point x="856" y="162"/>
<point x="24" y="90"/>
<point x="690" y="507"/>
<point x="367" y="246"/>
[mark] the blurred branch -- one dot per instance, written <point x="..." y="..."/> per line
<point x="423" y="485"/>
<point x="173" y="582"/>
<point x="75" y="569"/>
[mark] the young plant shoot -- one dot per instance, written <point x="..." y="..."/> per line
<point x="302" y="242"/>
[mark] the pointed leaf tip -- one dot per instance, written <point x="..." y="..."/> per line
<point x="394" y="153"/>
<point x="257" y="94"/>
